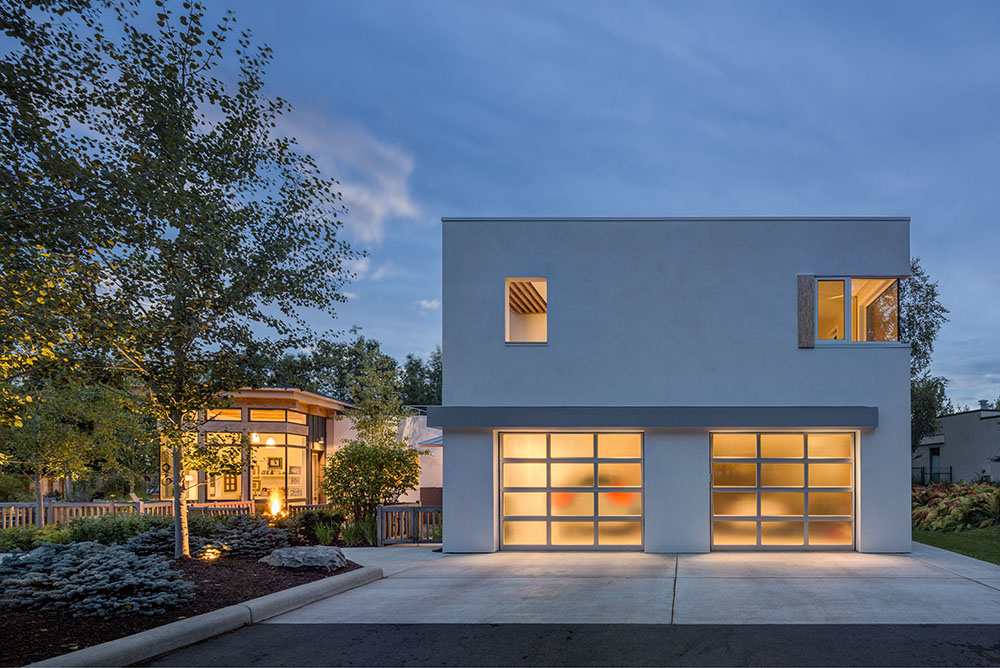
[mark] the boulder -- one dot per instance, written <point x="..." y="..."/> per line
<point x="311" y="557"/>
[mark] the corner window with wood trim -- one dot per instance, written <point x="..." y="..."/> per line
<point x="857" y="309"/>
<point x="526" y="307"/>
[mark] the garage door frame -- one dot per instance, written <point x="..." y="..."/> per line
<point x="805" y="547"/>
<point x="548" y="489"/>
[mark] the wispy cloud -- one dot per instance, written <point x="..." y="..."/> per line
<point x="360" y="266"/>
<point x="427" y="305"/>
<point x="384" y="271"/>
<point x="374" y="175"/>
<point x="349" y="295"/>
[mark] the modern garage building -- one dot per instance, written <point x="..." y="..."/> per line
<point x="675" y="384"/>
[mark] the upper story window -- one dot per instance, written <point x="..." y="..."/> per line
<point x="526" y="306"/>
<point x="276" y="415"/>
<point x="231" y="414"/>
<point x="857" y="309"/>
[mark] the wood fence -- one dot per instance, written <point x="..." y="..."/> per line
<point x="409" y="524"/>
<point x="302" y="507"/>
<point x="23" y="514"/>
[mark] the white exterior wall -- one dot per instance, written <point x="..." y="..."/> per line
<point x="469" y="500"/>
<point x="678" y="479"/>
<point x="971" y="441"/>
<point x="674" y="313"/>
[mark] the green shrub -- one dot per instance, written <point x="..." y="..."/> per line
<point x="306" y="523"/>
<point x="954" y="507"/>
<point x="115" y="529"/>
<point x="30" y="537"/>
<point x="90" y="580"/>
<point x="353" y="533"/>
<point x="14" y="489"/>
<point x="203" y="525"/>
<point x="326" y="534"/>
<point x="369" y="529"/>
<point x="245" y="536"/>
<point x="161" y="542"/>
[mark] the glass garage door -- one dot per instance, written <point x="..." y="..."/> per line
<point x="571" y="491"/>
<point x="783" y="491"/>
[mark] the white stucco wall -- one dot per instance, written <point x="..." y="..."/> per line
<point x="971" y="441"/>
<point x="676" y="313"/>
<point x="470" y="512"/>
<point x="678" y="479"/>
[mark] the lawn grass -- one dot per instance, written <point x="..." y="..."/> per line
<point x="977" y="543"/>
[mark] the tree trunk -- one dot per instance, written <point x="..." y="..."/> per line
<point x="39" y="505"/>
<point x="182" y="546"/>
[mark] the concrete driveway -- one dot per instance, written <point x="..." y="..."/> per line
<point x="929" y="586"/>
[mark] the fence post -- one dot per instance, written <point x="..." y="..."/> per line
<point x="415" y="525"/>
<point x="378" y="526"/>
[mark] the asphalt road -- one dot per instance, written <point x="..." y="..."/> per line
<point x="596" y="645"/>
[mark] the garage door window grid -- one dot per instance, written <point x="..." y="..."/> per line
<point x="783" y="491"/>
<point x="570" y="490"/>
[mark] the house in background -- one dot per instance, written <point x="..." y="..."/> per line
<point x="292" y="432"/>
<point x="962" y="449"/>
<point x="674" y="385"/>
<point x="428" y="440"/>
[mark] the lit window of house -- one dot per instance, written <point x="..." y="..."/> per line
<point x="526" y="307"/>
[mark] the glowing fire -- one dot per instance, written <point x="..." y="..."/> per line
<point x="275" y="502"/>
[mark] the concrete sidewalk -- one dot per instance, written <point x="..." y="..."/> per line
<point x="421" y="586"/>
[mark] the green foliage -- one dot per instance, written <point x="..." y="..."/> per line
<point x="369" y="529"/>
<point x="353" y="533"/>
<point x="421" y="381"/>
<point x="307" y="525"/>
<point x="90" y="580"/>
<point x="326" y="534"/>
<point x="14" y="488"/>
<point x="243" y="536"/>
<point x="921" y="315"/>
<point x="161" y="542"/>
<point x="30" y="537"/>
<point x="955" y="507"/>
<point x="114" y="529"/>
<point x="927" y="401"/>
<point x="329" y="368"/>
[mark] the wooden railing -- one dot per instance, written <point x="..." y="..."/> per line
<point x="409" y="524"/>
<point x="302" y="507"/>
<point x="23" y="514"/>
<point x="221" y="508"/>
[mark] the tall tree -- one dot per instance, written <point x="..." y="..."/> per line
<point x="421" y="381"/>
<point x="328" y="368"/>
<point x="56" y="207"/>
<point x="231" y="230"/>
<point x="921" y="316"/>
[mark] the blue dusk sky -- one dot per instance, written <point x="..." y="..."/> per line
<point x="431" y="109"/>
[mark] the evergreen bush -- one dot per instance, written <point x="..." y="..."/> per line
<point x="115" y="529"/>
<point x="30" y="537"/>
<point x="246" y="536"/>
<point x="89" y="579"/>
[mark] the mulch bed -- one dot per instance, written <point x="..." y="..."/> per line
<point x="31" y="636"/>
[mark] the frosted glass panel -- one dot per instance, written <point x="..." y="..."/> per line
<point x="830" y="446"/>
<point x="734" y="533"/>
<point x="572" y="445"/>
<point x="524" y="503"/>
<point x="727" y="474"/>
<point x="734" y="445"/>
<point x="524" y="475"/>
<point x="524" y="533"/>
<point x="829" y="503"/>
<point x="782" y="503"/>
<point x="572" y="503"/>
<point x="572" y="475"/>
<point x="572" y="533"/>
<point x="524" y="446"/>
<point x="734" y="503"/>
<point x="782" y="475"/>
<point x="782" y="533"/>
<point x="830" y="475"/>
<point x="619" y="445"/>
<point x="619" y="475"/>
<point x="619" y="533"/>
<point x="783" y="446"/>
<point x="619" y="503"/>
<point x="829" y="533"/>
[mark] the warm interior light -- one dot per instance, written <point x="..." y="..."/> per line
<point x="270" y="442"/>
<point x="255" y="438"/>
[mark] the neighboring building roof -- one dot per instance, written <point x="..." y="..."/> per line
<point x="437" y="440"/>
<point x="292" y="393"/>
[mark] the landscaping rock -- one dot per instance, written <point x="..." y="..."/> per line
<point x="312" y="557"/>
